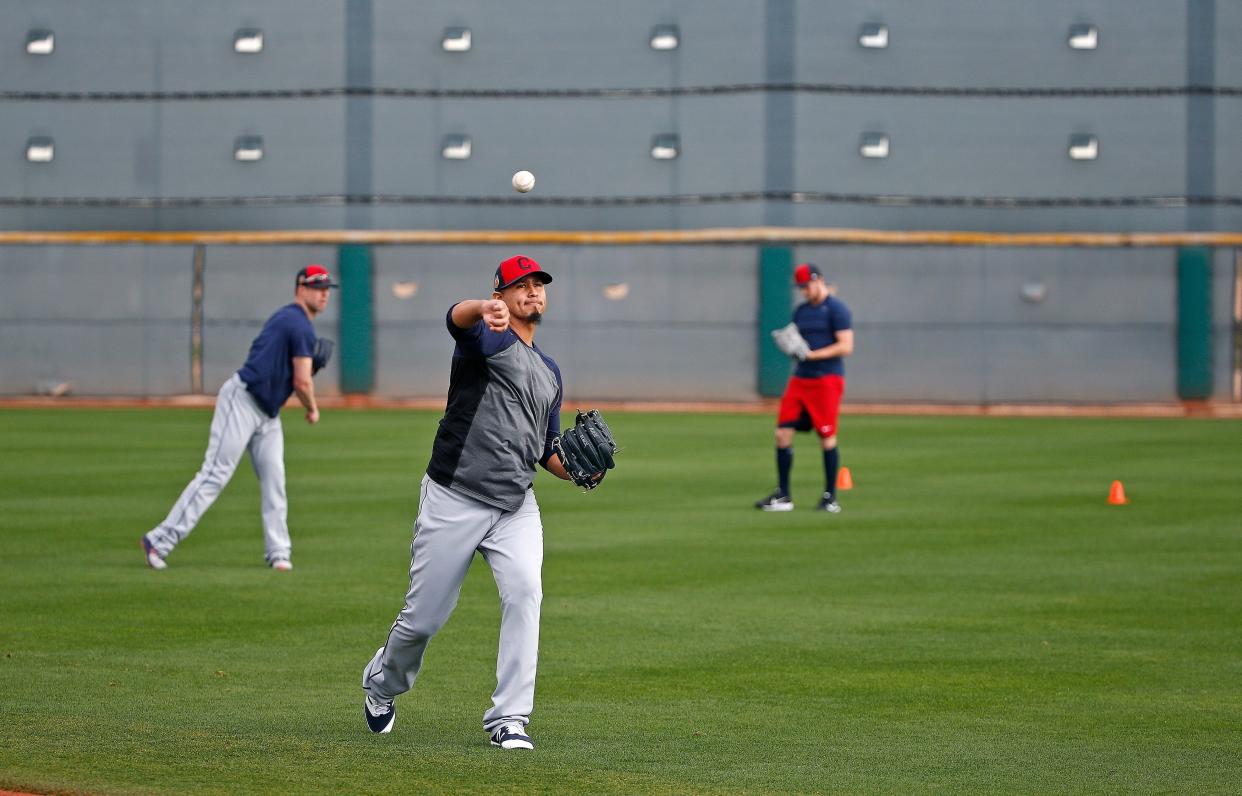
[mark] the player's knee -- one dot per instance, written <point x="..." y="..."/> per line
<point x="523" y="591"/>
<point x="830" y="442"/>
<point x="214" y="477"/>
<point x="416" y="629"/>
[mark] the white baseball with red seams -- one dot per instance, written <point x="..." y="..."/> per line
<point x="523" y="181"/>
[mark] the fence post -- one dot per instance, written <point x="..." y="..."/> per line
<point x="1194" y="324"/>
<point x="357" y="344"/>
<point x="196" y="319"/>
<point x="775" y="306"/>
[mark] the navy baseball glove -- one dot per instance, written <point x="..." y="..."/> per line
<point x="586" y="450"/>
<point x="323" y="352"/>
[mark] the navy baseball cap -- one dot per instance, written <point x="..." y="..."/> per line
<point x="517" y="268"/>
<point x="315" y="276"/>
<point x="805" y="273"/>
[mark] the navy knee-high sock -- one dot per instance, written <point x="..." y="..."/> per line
<point x="784" y="461"/>
<point x="832" y="460"/>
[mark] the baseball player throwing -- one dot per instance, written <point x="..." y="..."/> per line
<point x="282" y="360"/>
<point x="503" y="416"/>
<point x="820" y="337"/>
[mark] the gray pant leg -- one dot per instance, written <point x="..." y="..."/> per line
<point x="448" y="529"/>
<point x="267" y="455"/>
<point x="235" y="419"/>
<point x="514" y="551"/>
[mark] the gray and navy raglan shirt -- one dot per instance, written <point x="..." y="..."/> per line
<point x="504" y="410"/>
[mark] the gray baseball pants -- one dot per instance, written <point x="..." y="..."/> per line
<point x="237" y="426"/>
<point x="449" y="529"/>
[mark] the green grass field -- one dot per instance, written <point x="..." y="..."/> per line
<point x="978" y="619"/>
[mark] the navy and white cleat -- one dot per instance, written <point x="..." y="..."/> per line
<point x="154" y="559"/>
<point x="777" y="501"/>
<point x="380" y="715"/>
<point x="828" y="504"/>
<point x="512" y="735"/>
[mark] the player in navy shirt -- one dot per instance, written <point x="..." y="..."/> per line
<point x="268" y="371"/>
<point x="247" y="419"/>
<point x="812" y="398"/>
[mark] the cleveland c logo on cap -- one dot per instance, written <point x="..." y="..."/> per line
<point x="512" y="270"/>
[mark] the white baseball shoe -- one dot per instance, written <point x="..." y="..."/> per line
<point x="281" y="564"/>
<point x="154" y="559"/>
<point x="512" y="735"/>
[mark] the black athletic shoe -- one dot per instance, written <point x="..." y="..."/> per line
<point x="826" y="503"/>
<point x="777" y="501"/>
<point x="380" y="715"/>
<point x="512" y="735"/>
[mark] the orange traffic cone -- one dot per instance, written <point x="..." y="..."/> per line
<point x="844" y="480"/>
<point x="1117" y="495"/>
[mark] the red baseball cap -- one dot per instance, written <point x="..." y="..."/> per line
<point x="315" y="276"/>
<point x="516" y="268"/>
<point x="805" y="273"/>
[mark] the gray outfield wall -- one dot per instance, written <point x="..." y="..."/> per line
<point x="941" y="324"/>
<point x="770" y="100"/>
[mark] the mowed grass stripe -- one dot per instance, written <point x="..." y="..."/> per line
<point x="978" y="619"/>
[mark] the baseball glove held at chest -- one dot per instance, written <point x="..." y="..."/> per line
<point x="586" y="450"/>
<point x="790" y="342"/>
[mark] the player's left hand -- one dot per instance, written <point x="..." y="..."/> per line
<point x="323" y="353"/>
<point x="312" y="416"/>
<point x="586" y="450"/>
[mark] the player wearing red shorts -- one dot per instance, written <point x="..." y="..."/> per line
<point x="812" y="399"/>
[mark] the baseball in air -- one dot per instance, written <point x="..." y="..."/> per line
<point x="523" y="181"/>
